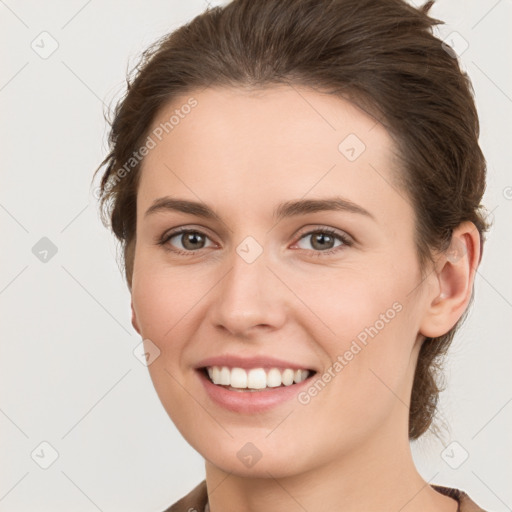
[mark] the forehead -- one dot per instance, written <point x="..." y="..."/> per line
<point x="281" y="139"/>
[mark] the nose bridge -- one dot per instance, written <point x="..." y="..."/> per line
<point x="248" y="296"/>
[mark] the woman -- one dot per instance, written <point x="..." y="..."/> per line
<point x="296" y="185"/>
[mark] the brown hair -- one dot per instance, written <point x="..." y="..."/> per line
<point x="380" y="54"/>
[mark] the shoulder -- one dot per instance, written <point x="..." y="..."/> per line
<point x="466" y="504"/>
<point x="194" y="501"/>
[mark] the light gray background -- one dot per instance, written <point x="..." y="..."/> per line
<point x="68" y="374"/>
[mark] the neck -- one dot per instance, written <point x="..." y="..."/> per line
<point x="379" y="476"/>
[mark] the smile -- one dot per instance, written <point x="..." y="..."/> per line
<point x="254" y="379"/>
<point x="252" y="390"/>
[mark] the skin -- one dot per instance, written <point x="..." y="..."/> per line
<point x="242" y="152"/>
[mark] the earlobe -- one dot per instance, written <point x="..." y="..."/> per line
<point x="454" y="276"/>
<point x="134" y="319"/>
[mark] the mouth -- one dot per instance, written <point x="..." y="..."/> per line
<point x="255" y="379"/>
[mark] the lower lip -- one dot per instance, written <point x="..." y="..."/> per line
<point x="251" y="401"/>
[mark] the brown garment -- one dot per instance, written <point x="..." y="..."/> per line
<point x="197" y="498"/>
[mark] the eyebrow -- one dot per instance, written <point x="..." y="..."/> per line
<point x="283" y="210"/>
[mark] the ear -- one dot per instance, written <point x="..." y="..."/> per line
<point x="453" y="280"/>
<point x="134" y="319"/>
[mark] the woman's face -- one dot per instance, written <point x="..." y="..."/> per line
<point x="268" y="276"/>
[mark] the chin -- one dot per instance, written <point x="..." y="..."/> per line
<point x="269" y="468"/>
<point x="258" y="459"/>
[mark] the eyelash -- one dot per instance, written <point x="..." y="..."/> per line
<point x="347" y="242"/>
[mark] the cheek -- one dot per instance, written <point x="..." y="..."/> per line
<point x="367" y="323"/>
<point x="169" y="305"/>
<point x="163" y="297"/>
<point x="347" y="304"/>
<point x="163" y="302"/>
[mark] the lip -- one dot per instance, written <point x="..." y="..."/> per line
<point x="249" y="402"/>
<point x="233" y="361"/>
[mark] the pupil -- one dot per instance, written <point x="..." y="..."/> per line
<point x="321" y="236"/>
<point x="192" y="236"/>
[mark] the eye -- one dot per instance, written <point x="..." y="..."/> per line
<point x="191" y="240"/>
<point x="323" y="240"/>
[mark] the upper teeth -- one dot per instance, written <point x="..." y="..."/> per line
<point x="256" y="378"/>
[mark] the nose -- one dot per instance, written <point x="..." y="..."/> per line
<point x="249" y="298"/>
